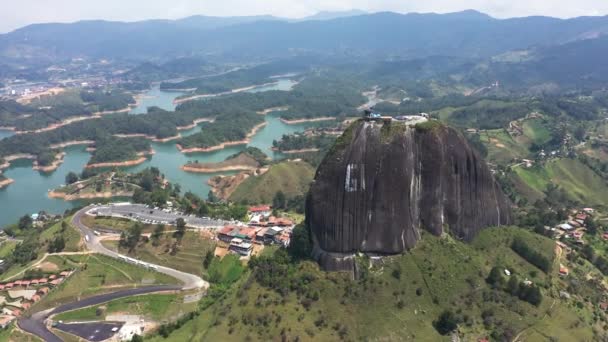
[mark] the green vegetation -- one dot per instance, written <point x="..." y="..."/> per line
<point x="185" y="255"/>
<point x="295" y="142"/>
<point x="578" y="181"/>
<point x="240" y="78"/>
<point x="282" y="298"/>
<point x="98" y="274"/>
<point x="52" y="109"/>
<point x="156" y="307"/>
<point x="226" y="128"/>
<point x="226" y="270"/>
<point x="112" y="149"/>
<point x="291" y="178"/>
<point x="53" y="236"/>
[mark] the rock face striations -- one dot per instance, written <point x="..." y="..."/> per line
<point x="381" y="184"/>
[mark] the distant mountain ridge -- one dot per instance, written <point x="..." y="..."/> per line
<point x="465" y="34"/>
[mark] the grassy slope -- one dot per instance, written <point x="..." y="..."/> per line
<point x="580" y="182"/>
<point x="189" y="257"/>
<point x="293" y="178"/>
<point x="98" y="274"/>
<point x="449" y="274"/>
<point x="72" y="244"/>
<point x="501" y="147"/>
<point x="157" y="307"/>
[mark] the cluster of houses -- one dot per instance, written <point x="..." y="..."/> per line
<point x="263" y="229"/>
<point x="19" y="295"/>
<point x="575" y="227"/>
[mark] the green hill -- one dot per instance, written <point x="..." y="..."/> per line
<point x="575" y="178"/>
<point x="398" y="298"/>
<point x="290" y="177"/>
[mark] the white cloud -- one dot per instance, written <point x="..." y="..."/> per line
<point x="19" y="13"/>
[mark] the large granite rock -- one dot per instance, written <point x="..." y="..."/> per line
<point x="381" y="185"/>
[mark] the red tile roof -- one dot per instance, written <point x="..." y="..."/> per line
<point x="35" y="298"/>
<point x="260" y="208"/>
<point x="43" y="281"/>
<point x="56" y="281"/>
<point x="64" y="273"/>
<point x="43" y="290"/>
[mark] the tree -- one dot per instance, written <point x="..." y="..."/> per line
<point x="495" y="277"/>
<point x="300" y="246"/>
<point x="71" y="178"/>
<point x="180" y="224"/>
<point x="591" y="225"/>
<point x="279" y="200"/>
<point x="446" y="323"/>
<point x="25" y="222"/>
<point x="57" y="245"/>
<point x="130" y="238"/>
<point x="207" y="260"/>
<point x="513" y="286"/>
<point x="157" y="234"/>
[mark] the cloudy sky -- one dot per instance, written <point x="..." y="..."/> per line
<point x="17" y="13"/>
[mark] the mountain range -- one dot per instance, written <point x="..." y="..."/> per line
<point x="462" y="34"/>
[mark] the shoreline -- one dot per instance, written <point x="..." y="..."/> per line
<point x="273" y="109"/>
<point x="59" y="158"/>
<point x="72" y="143"/>
<point x="6" y="182"/>
<point x="233" y="91"/>
<point x="223" y="145"/>
<point x="304" y="150"/>
<point x="71" y="120"/>
<point x="299" y="121"/>
<point x="75" y="197"/>
<point x="194" y="124"/>
<point x="188" y="168"/>
<point x="148" y="137"/>
<point x="143" y="158"/>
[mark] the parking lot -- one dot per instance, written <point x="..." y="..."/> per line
<point x="94" y="331"/>
<point x="143" y="213"/>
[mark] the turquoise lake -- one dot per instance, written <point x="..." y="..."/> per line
<point x="29" y="192"/>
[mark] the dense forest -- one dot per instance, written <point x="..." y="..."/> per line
<point x="49" y="110"/>
<point x="111" y="149"/>
<point x="229" y="127"/>
<point x="241" y="78"/>
<point x="301" y="141"/>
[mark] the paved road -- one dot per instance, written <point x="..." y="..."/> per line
<point x="92" y="331"/>
<point x="93" y="243"/>
<point x="140" y="212"/>
<point x="36" y="324"/>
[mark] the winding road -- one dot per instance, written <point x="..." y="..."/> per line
<point x="36" y="324"/>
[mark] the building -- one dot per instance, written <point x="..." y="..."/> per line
<point x="565" y="226"/>
<point x="241" y="247"/>
<point x="264" y="210"/>
<point x="227" y="233"/>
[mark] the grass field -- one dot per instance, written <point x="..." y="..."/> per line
<point x="502" y="149"/>
<point x="117" y="224"/>
<point x="156" y="307"/>
<point x="438" y="274"/>
<point x="536" y="131"/>
<point x="293" y="178"/>
<point x="189" y="256"/>
<point x="98" y="274"/>
<point x="579" y="181"/>
<point x="12" y="334"/>
<point x="72" y="244"/>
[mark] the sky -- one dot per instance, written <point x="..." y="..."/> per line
<point x="18" y="13"/>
